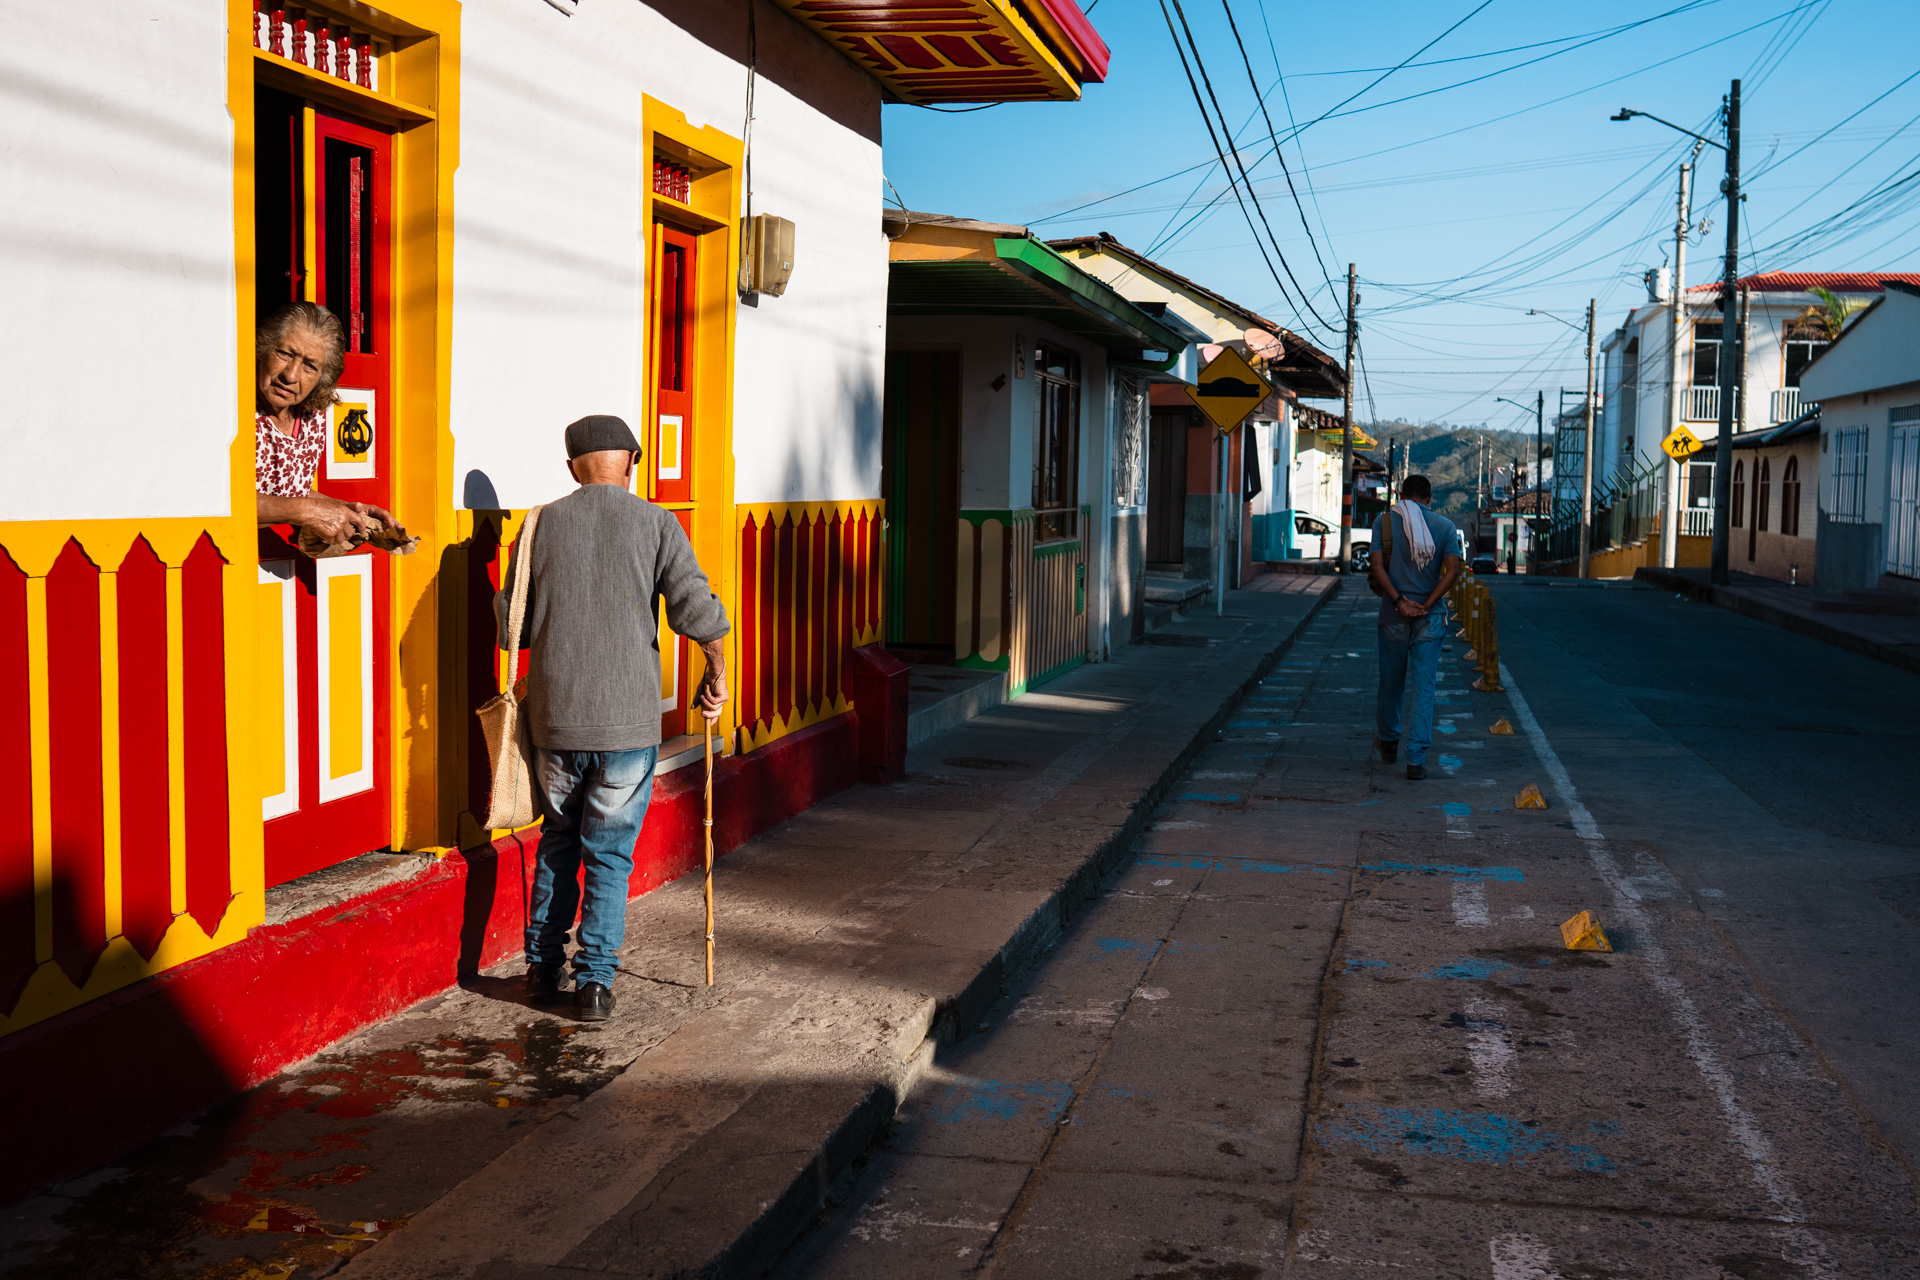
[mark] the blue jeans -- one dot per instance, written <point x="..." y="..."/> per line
<point x="594" y="802"/>
<point x="1409" y="646"/>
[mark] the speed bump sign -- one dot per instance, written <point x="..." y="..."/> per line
<point x="1229" y="389"/>
<point x="1682" y="444"/>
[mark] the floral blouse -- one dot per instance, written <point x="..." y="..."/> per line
<point x="283" y="465"/>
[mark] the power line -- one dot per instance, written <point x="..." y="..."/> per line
<point x="1305" y="301"/>
<point x="1247" y="62"/>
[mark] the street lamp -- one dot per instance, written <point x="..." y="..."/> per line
<point x="1586" y="457"/>
<point x="1729" y="325"/>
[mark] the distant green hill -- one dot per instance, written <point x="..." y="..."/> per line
<point x="1448" y="456"/>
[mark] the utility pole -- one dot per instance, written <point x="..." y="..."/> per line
<point x="1346" y="438"/>
<point x="1729" y="327"/>
<point x="1586" y="455"/>
<point x="1670" y="522"/>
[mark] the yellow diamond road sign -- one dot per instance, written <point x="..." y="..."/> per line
<point x="1229" y="389"/>
<point x="1682" y="444"/>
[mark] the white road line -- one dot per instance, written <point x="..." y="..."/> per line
<point x="1491" y="1048"/>
<point x="1470" y="904"/>
<point x="1518" y="1256"/>
<point x="1747" y="1134"/>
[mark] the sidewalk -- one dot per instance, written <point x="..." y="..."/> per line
<point x="1879" y="624"/>
<point x="699" y="1131"/>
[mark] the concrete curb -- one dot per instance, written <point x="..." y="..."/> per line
<point x="1761" y="611"/>
<point x="755" y="1245"/>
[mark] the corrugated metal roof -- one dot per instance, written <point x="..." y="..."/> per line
<point x="1803" y="281"/>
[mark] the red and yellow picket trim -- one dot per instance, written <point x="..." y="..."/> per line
<point x="129" y="851"/>
<point x="809" y="590"/>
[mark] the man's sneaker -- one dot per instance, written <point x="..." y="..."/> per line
<point x="592" y="1002"/>
<point x="1389" y="751"/>
<point x="1415" y="772"/>
<point x="544" y="981"/>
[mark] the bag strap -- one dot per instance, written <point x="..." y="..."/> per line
<point x="522" y="579"/>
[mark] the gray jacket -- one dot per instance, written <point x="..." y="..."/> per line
<point x="603" y="563"/>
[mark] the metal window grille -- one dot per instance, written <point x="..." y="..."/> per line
<point x="1847" y="476"/>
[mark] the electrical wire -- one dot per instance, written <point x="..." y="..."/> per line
<point x="1305" y="304"/>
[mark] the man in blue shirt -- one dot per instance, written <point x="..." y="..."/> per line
<point x="1415" y="562"/>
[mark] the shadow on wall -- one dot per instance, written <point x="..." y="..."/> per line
<point x="141" y="1053"/>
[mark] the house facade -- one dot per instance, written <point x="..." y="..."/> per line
<point x="1017" y="392"/>
<point x="521" y="213"/>
<point x="1187" y="456"/>
<point x="1650" y="384"/>
<point x="1868" y="388"/>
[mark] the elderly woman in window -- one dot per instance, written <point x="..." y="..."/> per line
<point x="302" y="349"/>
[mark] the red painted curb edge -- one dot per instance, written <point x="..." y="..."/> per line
<point x="95" y="1082"/>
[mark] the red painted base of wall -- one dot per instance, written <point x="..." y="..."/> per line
<point x="95" y="1082"/>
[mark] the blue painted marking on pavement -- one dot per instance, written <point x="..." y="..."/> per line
<point x="1449" y="762"/>
<point x="1445" y="728"/>
<point x="1509" y="875"/>
<point x="1368" y="964"/>
<point x="1039" y="1102"/>
<point x="1209" y="797"/>
<point x="1467" y="968"/>
<point x="1357" y="804"/>
<point x="1460" y="1135"/>
<point x="1454" y="809"/>
<point x="1120" y="946"/>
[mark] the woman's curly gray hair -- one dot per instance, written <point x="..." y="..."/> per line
<point x="322" y="324"/>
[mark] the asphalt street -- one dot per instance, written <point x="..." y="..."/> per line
<point x="1323" y="1023"/>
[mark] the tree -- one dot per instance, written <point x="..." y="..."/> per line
<point x="1832" y="313"/>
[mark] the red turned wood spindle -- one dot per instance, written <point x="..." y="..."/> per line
<point x="203" y="679"/>
<point x="784" y="602"/>
<point x="73" y="734"/>
<point x="748" y="671"/>
<point x="146" y="868"/>
<point x="363" y="62"/>
<point x="16" y="789"/>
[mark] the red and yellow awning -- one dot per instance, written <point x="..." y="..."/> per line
<point x="929" y="51"/>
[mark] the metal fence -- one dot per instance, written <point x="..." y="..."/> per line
<point x="1626" y="510"/>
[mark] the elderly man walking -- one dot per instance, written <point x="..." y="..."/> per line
<point x="603" y="560"/>
<point x="1415" y="562"/>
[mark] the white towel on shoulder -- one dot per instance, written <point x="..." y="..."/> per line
<point x="1419" y="537"/>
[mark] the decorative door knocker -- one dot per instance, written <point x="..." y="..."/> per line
<point x="356" y="434"/>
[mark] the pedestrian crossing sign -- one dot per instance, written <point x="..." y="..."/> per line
<point x="1229" y="389"/>
<point x="1682" y="444"/>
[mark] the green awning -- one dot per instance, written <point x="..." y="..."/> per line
<point x="1026" y="278"/>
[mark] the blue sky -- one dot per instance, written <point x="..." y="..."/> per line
<point x="1471" y="202"/>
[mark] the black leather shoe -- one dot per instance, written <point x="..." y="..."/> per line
<point x="1415" y="772"/>
<point x="592" y="1002"/>
<point x="1389" y="751"/>
<point x="544" y="981"/>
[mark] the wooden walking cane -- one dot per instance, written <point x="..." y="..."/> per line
<point x="706" y="736"/>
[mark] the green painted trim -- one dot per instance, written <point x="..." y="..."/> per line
<point x="1036" y="261"/>
<point x="1048" y="550"/>
<point x="974" y="662"/>
<point x="1078" y="660"/>
<point x="1017" y="515"/>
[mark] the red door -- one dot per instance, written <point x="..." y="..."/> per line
<point x="674" y="311"/>
<point x="326" y="624"/>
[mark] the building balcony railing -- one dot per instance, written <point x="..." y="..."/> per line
<point x="1786" y="405"/>
<point x="1703" y="404"/>
<point x="1696" y="522"/>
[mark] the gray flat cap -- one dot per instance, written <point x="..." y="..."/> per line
<point x="598" y="431"/>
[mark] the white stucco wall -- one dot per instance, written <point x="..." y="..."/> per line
<point x="550" y="254"/>
<point x="116" y="245"/>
